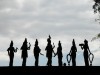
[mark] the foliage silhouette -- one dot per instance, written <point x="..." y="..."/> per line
<point x="96" y="6"/>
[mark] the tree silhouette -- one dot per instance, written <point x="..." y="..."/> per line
<point x="96" y="6"/>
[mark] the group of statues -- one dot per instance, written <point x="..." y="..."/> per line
<point x="88" y="56"/>
<point x="50" y="52"/>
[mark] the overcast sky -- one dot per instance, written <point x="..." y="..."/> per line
<point x="62" y="19"/>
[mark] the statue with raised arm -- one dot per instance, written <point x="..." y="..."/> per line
<point x="24" y="49"/>
<point x="49" y="48"/>
<point x="11" y="51"/>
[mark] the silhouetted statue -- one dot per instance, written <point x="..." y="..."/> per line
<point x="59" y="53"/>
<point x="86" y="53"/>
<point x="11" y="51"/>
<point x="37" y="50"/>
<point x="49" y="50"/>
<point x="73" y="53"/>
<point x="24" y="49"/>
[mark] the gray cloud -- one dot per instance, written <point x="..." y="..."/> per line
<point x="7" y="4"/>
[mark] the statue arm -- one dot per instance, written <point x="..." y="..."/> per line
<point x="29" y="47"/>
<point x="56" y="53"/>
<point x="15" y="50"/>
<point x="89" y="49"/>
<point x="46" y="48"/>
<point x="76" y="49"/>
<point x="82" y="47"/>
<point x="21" y="48"/>
<point x="8" y="51"/>
<point x="70" y="51"/>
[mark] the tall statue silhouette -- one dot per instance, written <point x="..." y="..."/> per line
<point x="24" y="49"/>
<point x="86" y="52"/>
<point x="59" y="53"/>
<point x="49" y="48"/>
<point x="36" y="52"/>
<point x="73" y="53"/>
<point x="11" y="51"/>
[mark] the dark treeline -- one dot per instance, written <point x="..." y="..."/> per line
<point x="71" y="56"/>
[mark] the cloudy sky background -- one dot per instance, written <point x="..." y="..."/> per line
<point x="62" y="19"/>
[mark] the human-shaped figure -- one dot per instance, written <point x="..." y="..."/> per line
<point x="49" y="48"/>
<point x="59" y="53"/>
<point x="11" y="51"/>
<point x="24" y="49"/>
<point x="73" y="53"/>
<point x="86" y="52"/>
<point x="36" y="52"/>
